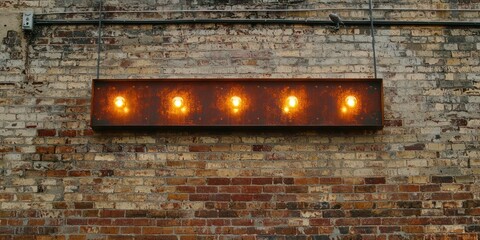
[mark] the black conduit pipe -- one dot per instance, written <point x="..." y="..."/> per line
<point x="99" y="43"/>
<point x="257" y="21"/>
<point x="372" y="33"/>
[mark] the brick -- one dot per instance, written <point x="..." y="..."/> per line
<point x="417" y="146"/>
<point x="430" y="188"/>
<point x="342" y="189"/>
<point x="296" y="189"/>
<point x="46" y="132"/>
<point x="320" y="222"/>
<point x="330" y="180"/>
<point x="218" y="181"/>
<point x="442" y="179"/>
<point x="199" y="148"/>
<point x="67" y="133"/>
<point x="83" y="173"/>
<point x="136" y="213"/>
<point x="262" y="148"/>
<point x="262" y="181"/>
<point x="365" y="189"/>
<point x="83" y="205"/>
<point x="241" y="181"/>
<point x="375" y="180"/>
<point x="45" y="149"/>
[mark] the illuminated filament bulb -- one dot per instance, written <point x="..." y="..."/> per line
<point x="119" y="102"/>
<point x="236" y="101"/>
<point x="177" y="102"/>
<point x="292" y="101"/>
<point x="351" y="101"/>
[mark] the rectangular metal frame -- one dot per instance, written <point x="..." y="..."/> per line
<point x="261" y="103"/>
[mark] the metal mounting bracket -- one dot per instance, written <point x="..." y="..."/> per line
<point x="27" y="21"/>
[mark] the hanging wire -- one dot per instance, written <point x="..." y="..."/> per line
<point x="373" y="37"/>
<point x="99" y="40"/>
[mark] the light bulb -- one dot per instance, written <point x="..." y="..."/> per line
<point x="236" y="101"/>
<point x="177" y="102"/>
<point x="286" y="109"/>
<point x="119" y="102"/>
<point x="344" y="109"/>
<point x="292" y="101"/>
<point x="351" y="101"/>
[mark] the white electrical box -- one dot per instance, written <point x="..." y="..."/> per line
<point x="27" y="23"/>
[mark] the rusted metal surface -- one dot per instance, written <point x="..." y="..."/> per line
<point x="237" y="103"/>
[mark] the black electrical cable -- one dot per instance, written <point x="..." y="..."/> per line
<point x="372" y="30"/>
<point x="256" y="21"/>
<point x="99" y="40"/>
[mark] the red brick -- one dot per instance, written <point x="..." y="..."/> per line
<point x="296" y="189"/>
<point x="79" y="173"/>
<point x="430" y="188"/>
<point x="185" y="189"/>
<point x="4" y="149"/>
<point x="83" y="205"/>
<point x="306" y="181"/>
<point x="199" y="148"/>
<point x="330" y="180"/>
<point x="262" y="181"/>
<point x="242" y="197"/>
<point x="218" y="181"/>
<point x="320" y="222"/>
<point x="342" y="189"/>
<point x="67" y="133"/>
<point x="251" y="189"/>
<point x="417" y="146"/>
<point x="262" y="197"/>
<point x="45" y="149"/>
<point x="241" y="181"/>
<point x="112" y="213"/>
<point x="130" y="230"/>
<point x="56" y="173"/>
<point x="409" y="188"/>
<point x="462" y="196"/>
<point x="136" y="213"/>
<point x="230" y="189"/>
<point x="64" y="149"/>
<point x="198" y="197"/>
<point x="109" y="230"/>
<point x="177" y="196"/>
<point x="100" y="221"/>
<point x="46" y="132"/>
<point x="441" y="196"/>
<point x="133" y="222"/>
<point x="206" y="189"/>
<point x="375" y="180"/>
<point x="365" y="188"/>
<point x="442" y="179"/>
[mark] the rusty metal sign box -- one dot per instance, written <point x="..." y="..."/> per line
<point x="237" y="103"/>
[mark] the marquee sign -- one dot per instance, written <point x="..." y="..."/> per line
<point x="237" y="103"/>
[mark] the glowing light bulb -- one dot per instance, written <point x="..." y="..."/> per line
<point x="344" y="109"/>
<point x="119" y="102"/>
<point x="292" y="101"/>
<point x="177" y="102"/>
<point x="351" y="101"/>
<point x="236" y="101"/>
<point x="286" y="109"/>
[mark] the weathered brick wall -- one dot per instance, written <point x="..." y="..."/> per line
<point x="415" y="179"/>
